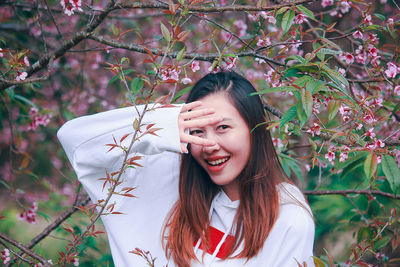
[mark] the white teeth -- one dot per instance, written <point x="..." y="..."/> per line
<point x="218" y="161"/>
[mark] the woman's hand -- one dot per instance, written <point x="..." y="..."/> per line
<point x="199" y="117"/>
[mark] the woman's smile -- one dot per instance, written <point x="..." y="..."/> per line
<point x="225" y="160"/>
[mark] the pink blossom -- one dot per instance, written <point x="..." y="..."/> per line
<point x="241" y="26"/>
<point x="75" y="261"/>
<point x="170" y="73"/>
<point x="361" y="56"/>
<point x="26" y="61"/>
<point x="264" y="41"/>
<point x="30" y="215"/>
<point x="367" y="19"/>
<point x="392" y="70"/>
<point x="21" y="76"/>
<point x="268" y="17"/>
<point x="349" y="58"/>
<point x="379" y="143"/>
<point x="252" y="16"/>
<point x="315" y="130"/>
<point x="358" y="125"/>
<point x="372" y="37"/>
<point x="271" y="78"/>
<point x="326" y="3"/>
<point x="230" y="63"/>
<point x="330" y="156"/>
<point x="316" y="105"/>
<point x="226" y="36"/>
<point x="390" y="22"/>
<point x="186" y="80"/>
<point x="369" y="119"/>
<point x="397" y="90"/>
<point x="372" y="50"/>
<point x="70" y="6"/>
<point x="5" y="256"/>
<point x="300" y="18"/>
<point x="259" y="60"/>
<point x="277" y="142"/>
<point x="344" y="6"/>
<point x="379" y="159"/>
<point x="37" y="119"/>
<point x="344" y="153"/>
<point x="358" y="35"/>
<point x="370" y="133"/>
<point x="344" y="110"/>
<point x="1" y="52"/>
<point x="342" y="71"/>
<point x="195" y="66"/>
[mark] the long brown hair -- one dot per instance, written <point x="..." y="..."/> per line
<point x="259" y="201"/>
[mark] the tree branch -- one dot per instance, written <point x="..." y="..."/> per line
<point x="25" y="249"/>
<point x="347" y="192"/>
<point x="78" y="37"/>
<point x="198" y="56"/>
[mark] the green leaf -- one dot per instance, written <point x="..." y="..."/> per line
<point x="289" y="115"/>
<point x="306" y="11"/>
<point x="318" y="262"/>
<point x="333" y="108"/>
<point x="382" y="242"/>
<point x="287" y="21"/>
<point x="372" y="27"/>
<point x="116" y="77"/>
<point x="292" y="73"/>
<point x="136" y="85"/>
<point x="44" y="216"/>
<point x="314" y="86"/>
<point x="327" y="51"/>
<point x="291" y="164"/>
<point x="25" y="100"/>
<point x="380" y="16"/>
<point x="370" y="164"/>
<point x="307" y="101"/>
<point x="275" y="89"/>
<point x="392" y="172"/>
<point x="165" y="32"/>
<point x="295" y="57"/>
<point x="181" y="93"/>
<point x="11" y="93"/>
<point x="301" y="115"/>
<point x="281" y="10"/>
<point x="180" y="54"/>
<point x="330" y="43"/>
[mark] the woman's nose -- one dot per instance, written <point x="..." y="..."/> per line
<point x="211" y="149"/>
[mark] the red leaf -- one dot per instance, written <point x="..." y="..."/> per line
<point x="123" y="137"/>
<point x="2" y="217"/>
<point x="127" y="195"/>
<point x="116" y="212"/>
<point x="112" y="147"/>
<point x="149" y="126"/>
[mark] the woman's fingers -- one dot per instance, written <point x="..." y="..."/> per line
<point x="187" y="138"/>
<point x="196" y="123"/>
<point x="191" y="105"/>
<point x="196" y="113"/>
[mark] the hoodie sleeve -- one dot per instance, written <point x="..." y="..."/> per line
<point x="85" y="140"/>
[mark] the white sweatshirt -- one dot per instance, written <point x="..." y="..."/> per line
<point x="156" y="189"/>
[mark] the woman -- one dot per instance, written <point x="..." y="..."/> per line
<point x="231" y="206"/>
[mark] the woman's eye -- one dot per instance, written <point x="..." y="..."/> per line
<point x="223" y="127"/>
<point x="195" y="132"/>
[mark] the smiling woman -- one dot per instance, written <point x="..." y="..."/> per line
<point x="228" y="204"/>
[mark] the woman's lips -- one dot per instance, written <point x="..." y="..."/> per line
<point x="217" y="164"/>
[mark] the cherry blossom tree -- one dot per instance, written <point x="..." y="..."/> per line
<point x="328" y="72"/>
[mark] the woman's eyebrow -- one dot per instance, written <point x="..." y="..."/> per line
<point x="226" y="119"/>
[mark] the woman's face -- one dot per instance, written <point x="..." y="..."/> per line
<point x="226" y="159"/>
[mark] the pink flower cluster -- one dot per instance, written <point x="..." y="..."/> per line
<point x="241" y="27"/>
<point x="70" y="6"/>
<point x="5" y="256"/>
<point x="330" y="156"/>
<point x="170" y="73"/>
<point x="314" y="130"/>
<point x="30" y="215"/>
<point x="326" y="3"/>
<point x="195" y="66"/>
<point x="300" y="18"/>
<point x="37" y="119"/>
<point x="344" y="154"/>
<point x="392" y="70"/>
